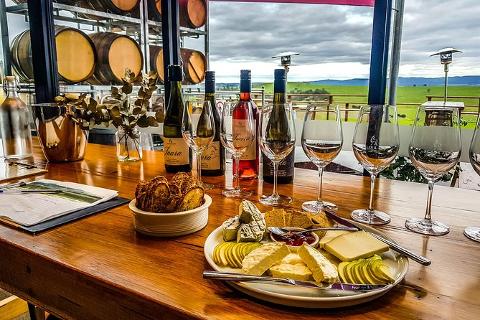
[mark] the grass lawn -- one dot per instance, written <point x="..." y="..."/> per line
<point x="415" y="95"/>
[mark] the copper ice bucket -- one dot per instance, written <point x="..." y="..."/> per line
<point x="61" y="138"/>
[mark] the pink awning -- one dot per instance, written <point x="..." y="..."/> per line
<point x="368" y="3"/>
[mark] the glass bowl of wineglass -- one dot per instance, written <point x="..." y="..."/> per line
<point x="375" y="145"/>
<point x="473" y="233"/>
<point x="322" y="140"/>
<point x="277" y="140"/>
<point x="236" y="135"/>
<point x="198" y="131"/>
<point x="434" y="150"/>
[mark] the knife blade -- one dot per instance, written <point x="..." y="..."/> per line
<point x="228" y="276"/>
<point x="393" y="245"/>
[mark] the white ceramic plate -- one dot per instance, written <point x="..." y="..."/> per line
<point x="308" y="297"/>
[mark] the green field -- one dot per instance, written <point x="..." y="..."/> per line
<point x="405" y="95"/>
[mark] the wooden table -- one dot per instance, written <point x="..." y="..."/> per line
<point x="100" y="268"/>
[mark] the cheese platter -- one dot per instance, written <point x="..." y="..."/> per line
<point x="243" y="246"/>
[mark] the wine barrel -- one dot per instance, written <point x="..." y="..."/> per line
<point x="76" y="56"/>
<point x="114" y="6"/>
<point x="194" y="64"/>
<point x="192" y="13"/>
<point x="116" y="53"/>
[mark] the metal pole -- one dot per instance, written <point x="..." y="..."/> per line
<point x="170" y="39"/>
<point x="379" y="54"/>
<point x="207" y="36"/>
<point x="5" y="41"/>
<point x="446" y="84"/>
<point x="144" y="35"/>
<point x="396" y="47"/>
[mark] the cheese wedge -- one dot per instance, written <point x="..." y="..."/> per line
<point x="329" y="236"/>
<point x="291" y="271"/>
<point x="292" y="258"/>
<point x="322" y="269"/>
<point x="355" y="245"/>
<point x="260" y="260"/>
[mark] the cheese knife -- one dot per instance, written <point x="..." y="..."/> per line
<point x="227" y="276"/>
<point x="393" y="245"/>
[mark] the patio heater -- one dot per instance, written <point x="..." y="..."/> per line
<point x="446" y="55"/>
<point x="286" y="59"/>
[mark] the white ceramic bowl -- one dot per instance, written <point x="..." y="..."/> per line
<point x="170" y="224"/>
<point x="295" y="248"/>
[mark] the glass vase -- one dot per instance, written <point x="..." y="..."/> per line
<point x="129" y="146"/>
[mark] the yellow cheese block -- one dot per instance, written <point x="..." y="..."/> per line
<point x="322" y="269"/>
<point x="292" y="258"/>
<point x="355" y="245"/>
<point x="297" y="271"/>
<point x="260" y="260"/>
<point x="330" y="235"/>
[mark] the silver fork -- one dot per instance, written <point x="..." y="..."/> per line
<point x="280" y="231"/>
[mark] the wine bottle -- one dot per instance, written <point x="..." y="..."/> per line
<point x="248" y="167"/>
<point x="213" y="158"/>
<point x="286" y="166"/>
<point x="178" y="156"/>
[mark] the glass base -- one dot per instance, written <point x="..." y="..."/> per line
<point x="472" y="233"/>
<point x="373" y="217"/>
<point x="428" y="227"/>
<point x="275" y="200"/>
<point x="236" y="193"/>
<point x="317" y="206"/>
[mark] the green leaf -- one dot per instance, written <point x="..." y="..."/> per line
<point x="159" y="116"/>
<point x="142" y="121"/>
<point x="137" y="110"/>
<point x="92" y="106"/>
<point x="114" y="112"/>
<point x="127" y="88"/>
<point x="152" y="122"/>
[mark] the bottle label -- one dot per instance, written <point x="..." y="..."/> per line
<point x="176" y="151"/>
<point x="285" y="167"/>
<point x="241" y="139"/>
<point x="211" y="157"/>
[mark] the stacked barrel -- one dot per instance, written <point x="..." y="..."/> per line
<point x="102" y="58"/>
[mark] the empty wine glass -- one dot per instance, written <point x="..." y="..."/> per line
<point x="322" y="140"/>
<point x="236" y="134"/>
<point x="277" y="140"/>
<point x="434" y="150"/>
<point x="198" y="131"/>
<point x="474" y="232"/>
<point x="375" y="145"/>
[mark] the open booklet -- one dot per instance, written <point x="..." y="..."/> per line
<point x="28" y="209"/>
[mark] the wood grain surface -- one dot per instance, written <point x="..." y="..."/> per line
<point x="100" y="268"/>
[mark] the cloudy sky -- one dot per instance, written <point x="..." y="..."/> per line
<point x="335" y="41"/>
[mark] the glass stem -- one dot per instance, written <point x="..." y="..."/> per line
<point x="199" y="167"/>
<point x="372" y="187"/>
<point x="275" y="175"/>
<point x="320" y="182"/>
<point x="428" y="215"/>
<point x="236" y="176"/>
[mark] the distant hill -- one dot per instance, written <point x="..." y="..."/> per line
<point x="408" y="81"/>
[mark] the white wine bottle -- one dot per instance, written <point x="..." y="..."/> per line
<point x="178" y="156"/>
<point x="213" y="158"/>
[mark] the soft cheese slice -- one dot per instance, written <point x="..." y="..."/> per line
<point x="260" y="260"/>
<point x="230" y="229"/>
<point x="322" y="269"/>
<point x="292" y="258"/>
<point x="329" y="236"/>
<point x="355" y="245"/>
<point x="297" y="271"/>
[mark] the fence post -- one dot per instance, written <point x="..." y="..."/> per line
<point x="346" y="111"/>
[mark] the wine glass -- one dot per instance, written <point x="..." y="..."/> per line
<point x="198" y="131"/>
<point x="375" y="144"/>
<point x="322" y="140"/>
<point x="236" y="136"/>
<point x="277" y="140"/>
<point x="473" y="233"/>
<point x="434" y="150"/>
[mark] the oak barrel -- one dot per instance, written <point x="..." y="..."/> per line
<point x="192" y="13"/>
<point x="116" y="53"/>
<point x="114" y="6"/>
<point x="194" y="64"/>
<point x="76" y="56"/>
